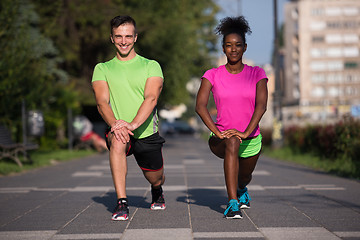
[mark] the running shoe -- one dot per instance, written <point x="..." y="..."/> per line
<point x="233" y="211"/>
<point x="158" y="201"/>
<point x="244" y="198"/>
<point x="121" y="212"/>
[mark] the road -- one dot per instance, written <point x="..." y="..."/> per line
<point x="75" y="199"/>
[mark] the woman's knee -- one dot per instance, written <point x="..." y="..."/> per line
<point x="217" y="147"/>
<point x="232" y="144"/>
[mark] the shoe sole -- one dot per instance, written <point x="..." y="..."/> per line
<point x="243" y="206"/>
<point x="157" y="208"/>
<point x="234" y="217"/>
<point x="119" y="219"/>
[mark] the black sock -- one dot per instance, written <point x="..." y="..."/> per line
<point x="156" y="192"/>
<point x="157" y="189"/>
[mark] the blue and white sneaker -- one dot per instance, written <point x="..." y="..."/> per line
<point x="232" y="211"/>
<point x="244" y="198"/>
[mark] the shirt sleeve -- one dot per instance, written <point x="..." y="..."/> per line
<point x="154" y="70"/>
<point x="261" y="74"/>
<point x="98" y="74"/>
<point x="209" y="75"/>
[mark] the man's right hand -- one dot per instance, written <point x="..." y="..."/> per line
<point x="122" y="134"/>
<point x="122" y="130"/>
<point x="121" y="123"/>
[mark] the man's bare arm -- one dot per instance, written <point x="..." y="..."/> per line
<point x="102" y="96"/>
<point x="152" y="92"/>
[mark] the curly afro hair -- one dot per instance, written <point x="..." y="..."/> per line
<point x="238" y="25"/>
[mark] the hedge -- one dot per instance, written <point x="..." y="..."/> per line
<point x="331" y="142"/>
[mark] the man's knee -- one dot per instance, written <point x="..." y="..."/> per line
<point x="161" y="177"/>
<point x="160" y="181"/>
<point x="156" y="178"/>
<point x="118" y="147"/>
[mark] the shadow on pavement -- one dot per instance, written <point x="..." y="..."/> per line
<point x="214" y="199"/>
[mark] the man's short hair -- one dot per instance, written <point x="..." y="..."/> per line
<point x="120" y="20"/>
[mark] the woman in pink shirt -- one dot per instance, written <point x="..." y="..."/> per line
<point x="240" y="94"/>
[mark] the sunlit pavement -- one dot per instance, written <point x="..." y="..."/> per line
<point x="74" y="200"/>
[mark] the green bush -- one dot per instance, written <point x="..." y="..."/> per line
<point x="348" y="137"/>
<point x="294" y="137"/>
<point x="325" y="141"/>
<point x="335" y="146"/>
<point x="329" y="141"/>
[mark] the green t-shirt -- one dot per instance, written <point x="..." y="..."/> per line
<point x="126" y="81"/>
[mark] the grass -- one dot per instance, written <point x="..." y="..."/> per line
<point x="340" y="167"/>
<point x="42" y="158"/>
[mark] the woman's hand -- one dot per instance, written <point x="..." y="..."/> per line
<point x="220" y="135"/>
<point x="233" y="133"/>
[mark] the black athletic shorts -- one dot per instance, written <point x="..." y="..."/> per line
<point x="147" y="151"/>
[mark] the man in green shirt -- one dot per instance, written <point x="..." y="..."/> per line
<point x="126" y="91"/>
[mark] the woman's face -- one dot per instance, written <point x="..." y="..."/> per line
<point x="234" y="47"/>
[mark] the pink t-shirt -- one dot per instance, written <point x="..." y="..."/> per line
<point x="234" y="96"/>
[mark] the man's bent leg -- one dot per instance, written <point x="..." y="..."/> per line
<point x="118" y="165"/>
<point x="148" y="155"/>
<point x="156" y="179"/>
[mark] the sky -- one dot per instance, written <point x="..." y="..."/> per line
<point x="259" y="14"/>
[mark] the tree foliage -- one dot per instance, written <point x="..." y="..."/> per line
<point x="28" y="65"/>
<point x="177" y="33"/>
<point x="49" y="49"/>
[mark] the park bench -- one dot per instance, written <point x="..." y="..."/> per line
<point x="10" y="149"/>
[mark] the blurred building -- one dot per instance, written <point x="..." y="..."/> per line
<point x="322" y="60"/>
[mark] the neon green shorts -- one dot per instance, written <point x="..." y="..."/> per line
<point x="249" y="148"/>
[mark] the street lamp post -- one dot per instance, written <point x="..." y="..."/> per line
<point x="277" y="136"/>
<point x="239" y="7"/>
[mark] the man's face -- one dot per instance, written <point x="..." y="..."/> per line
<point x="124" y="38"/>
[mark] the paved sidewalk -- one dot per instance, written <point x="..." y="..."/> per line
<point x="74" y="200"/>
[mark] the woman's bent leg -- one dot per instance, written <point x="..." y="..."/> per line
<point x="228" y="150"/>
